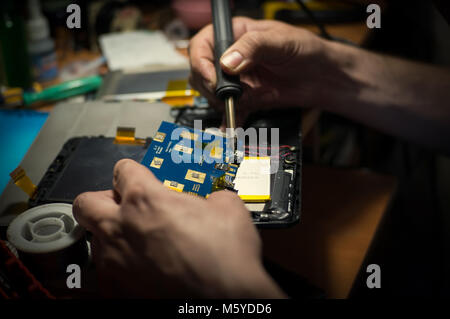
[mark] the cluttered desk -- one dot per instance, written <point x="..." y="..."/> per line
<point x="128" y="102"/>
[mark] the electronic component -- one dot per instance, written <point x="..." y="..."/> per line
<point x="253" y="179"/>
<point x="279" y="205"/>
<point x="21" y="179"/>
<point x="86" y="164"/>
<point x="191" y="161"/>
<point x="283" y="207"/>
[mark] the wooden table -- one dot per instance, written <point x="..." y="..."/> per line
<point x="340" y="214"/>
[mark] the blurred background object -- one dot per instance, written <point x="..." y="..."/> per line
<point x="41" y="47"/>
<point x="195" y="14"/>
<point x="15" y="64"/>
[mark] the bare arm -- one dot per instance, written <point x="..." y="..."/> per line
<point x="406" y="99"/>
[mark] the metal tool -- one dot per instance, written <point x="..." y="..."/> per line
<point x="228" y="87"/>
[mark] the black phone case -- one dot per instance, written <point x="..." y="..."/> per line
<point x="86" y="164"/>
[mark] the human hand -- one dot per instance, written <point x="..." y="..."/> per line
<point x="279" y="65"/>
<point x="149" y="241"/>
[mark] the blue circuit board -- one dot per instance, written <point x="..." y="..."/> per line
<point x="189" y="160"/>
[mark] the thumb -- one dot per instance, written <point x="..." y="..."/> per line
<point x="253" y="48"/>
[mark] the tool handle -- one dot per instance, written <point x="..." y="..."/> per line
<point x="227" y="85"/>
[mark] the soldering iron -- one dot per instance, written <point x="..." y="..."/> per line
<point x="228" y="86"/>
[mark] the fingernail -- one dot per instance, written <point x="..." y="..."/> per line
<point x="232" y="60"/>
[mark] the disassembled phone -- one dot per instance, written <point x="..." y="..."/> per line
<point x="273" y="198"/>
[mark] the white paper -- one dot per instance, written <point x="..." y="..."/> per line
<point x="135" y="49"/>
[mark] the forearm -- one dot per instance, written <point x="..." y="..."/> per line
<point x="401" y="98"/>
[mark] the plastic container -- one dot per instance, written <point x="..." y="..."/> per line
<point x="41" y="47"/>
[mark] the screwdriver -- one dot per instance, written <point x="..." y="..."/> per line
<point x="228" y="86"/>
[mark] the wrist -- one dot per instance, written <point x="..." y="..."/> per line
<point x="351" y="78"/>
<point x="339" y="78"/>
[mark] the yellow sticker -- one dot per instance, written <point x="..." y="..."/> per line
<point x="125" y="135"/>
<point x="174" y="185"/>
<point x="255" y="198"/>
<point x="159" y="137"/>
<point x="178" y="87"/>
<point x="256" y="158"/>
<point x="182" y="148"/>
<point x="216" y="152"/>
<point x="125" y="132"/>
<point x="194" y="176"/>
<point x="21" y="180"/>
<point x="157" y="162"/>
<point x="180" y="101"/>
<point x="188" y="135"/>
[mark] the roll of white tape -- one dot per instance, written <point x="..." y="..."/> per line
<point x="45" y="229"/>
<point x="48" y="239"/>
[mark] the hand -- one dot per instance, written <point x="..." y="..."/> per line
<point x="149" y="241"/>
<point x="279" y="65"/>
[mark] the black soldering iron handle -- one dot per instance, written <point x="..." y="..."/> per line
<point x="227" y="85"/>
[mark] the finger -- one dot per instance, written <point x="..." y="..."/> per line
<point x="241" y="25"/>
<point x="196" y="82"/>
<point x="90" y="209"/>
<point x="201" y="56"/>
<point x="201" y="46"/>
<point x="257" y="47"/>
<point x="224" y="198"/>
<point x="132" y="178"/>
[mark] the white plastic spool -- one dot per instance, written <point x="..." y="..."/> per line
<point x="45" y="229"/>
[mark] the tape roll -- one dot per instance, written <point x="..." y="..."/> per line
<point x="48" y="239"/>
